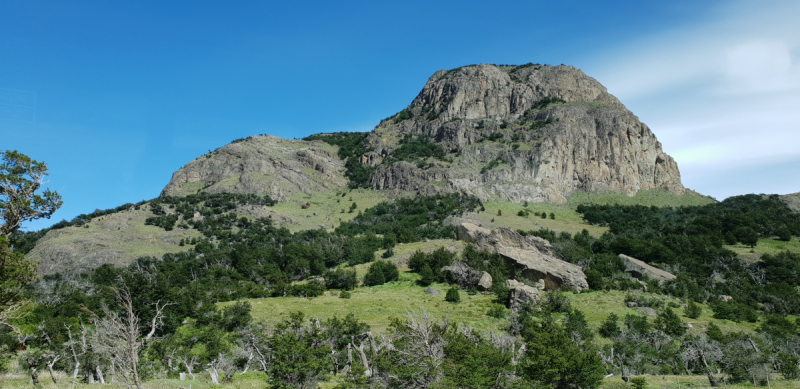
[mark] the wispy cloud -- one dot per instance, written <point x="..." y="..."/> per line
<point x="721" y="95"/>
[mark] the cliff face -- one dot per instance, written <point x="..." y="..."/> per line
<point x="550" y="130"/>
<point x="264" y="165"/>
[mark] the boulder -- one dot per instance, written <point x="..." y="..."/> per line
<point x="632" y="304"/>
<point x="463" y="275"/>
<point x="532" y="256"/>
<point x="638" y="269"/>
<point x="522" y="295"/>
<point x="468" y="232"/>
<point x="432" y="291"/>
<point x="536" y="266"/>
<point x="485" y="283"/>
<point x="725" y="298"/>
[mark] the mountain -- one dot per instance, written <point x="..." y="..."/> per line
<point x="792" y="200"/>
<point x="529" y="133"/>
<point x="522" y="133"/>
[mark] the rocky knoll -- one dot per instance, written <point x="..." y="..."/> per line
<point x="264" y="165"/>
<point x="532" y="256"/>
<point x="522" y="133"/>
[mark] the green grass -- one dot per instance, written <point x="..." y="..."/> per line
<point x="566" y="218"/>
<point x="657" y="197"/>
<point x="328" y="205"/>
<point x="377" y="305"/>
<point x="764" y="246"/>
<point x="118" y="238"/>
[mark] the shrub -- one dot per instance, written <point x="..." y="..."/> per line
<point x="692" y="310"/>
<point x="497" y="311"/>
<point x="341" y="279"/>
<point x="784" y="234"/>
<point x="344" y="295"/>
<point x="638" y="383"/>
<point x="609" y="328"/>
<point x="388" y="254"/>
<point x="452" y="295"/>
<point x="381" y="272"/>
<point x="552" y="216"/>
<point x="427" y="276"/>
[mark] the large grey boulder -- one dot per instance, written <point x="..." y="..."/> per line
<point x="469" y="232"/>
<point x="522" y="295"/>
<point x="638" y="269"/>
<point x="485" y="283"/>
<point x="533" y="257"/>
<point x="468" y="277"/>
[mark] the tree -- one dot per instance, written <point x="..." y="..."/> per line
<point x="609" y="328"/>
<point x="452" y="295"/>
<point x="784" y="234"/>
<point x="670" y="323"/>
<point x="118" y="337"/>
<point x="427" y="276"/>
<point x="299" y="354"/>
<point x="692" y="310"/>
<point x="20" y="179"/>
<point x="553" y="358"/>
<point x="747" y="236"/>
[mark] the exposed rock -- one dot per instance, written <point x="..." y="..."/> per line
<point x="638" y="269"/>
<point x="725" y="298"/>
<point x="540" y="284"/>
<point x="792" y="201"/>
<point x="534" y="257"/>
<point x="647" y="311"/>
<point x="522" y="295"/>
<point x="590" y="143"/>
<point x="468" y="232"/>
<point x="485" y="283"/>
<point x="632" y="304"/>
<point x="463" y="275"/>
<point x="432" y="291"/>
<point x="264" y="165"/>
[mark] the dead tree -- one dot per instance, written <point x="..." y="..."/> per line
<point x="118" y="336"/>
<point x="701" y="351"/>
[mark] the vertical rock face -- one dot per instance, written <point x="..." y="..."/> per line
<point x="551" y="129"/>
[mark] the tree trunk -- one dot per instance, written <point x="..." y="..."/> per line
<point x="52" y="374"/>
<point x="34" y="376"/>
<point x="100" y="375"/>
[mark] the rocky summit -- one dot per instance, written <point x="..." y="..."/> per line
<point x="521" y="133"/>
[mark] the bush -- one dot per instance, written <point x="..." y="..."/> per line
<point x="552" y="216"/>
<point x="427" y="276"/>
<point x="344" y="295"/>
<point x="381" y="272"/>
<point x="609" y="328"/>
<point x="388" y="253"/>
<point x="497" y="311"/>
<point x="452" y="295"/>
<point x="341" y="279"/>
<point x="784" y="234"/>
<point x="692" y="310"/>
<point x="638" y="383"/>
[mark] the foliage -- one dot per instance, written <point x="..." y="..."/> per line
<point x="411" y="220"/>
<point x="692" y="310"/>
<point x="433" y="262"/>
<point x="20" y="178"/>
<point x="299" y="354"/>
<point x="452" y="295"/>
<point x="413" y="149"/>
<point x="351" y="147"/>
<point x="341" y="278"/>
<point x="15" y="273"/>
<point x="610" y="327"/>
<point x="381" y="272"/>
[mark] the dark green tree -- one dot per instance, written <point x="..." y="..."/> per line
<point x="670" y="323"/>
<point x="300" y="354"/>
<point x="610" y="327"/>
<point x="693" y="310"/>
<point x="784" y="234"/>
<point x="426" y="275"/>
<point x="452" y="295"/>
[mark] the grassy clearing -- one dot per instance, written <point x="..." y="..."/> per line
<point x="598" y="305"/>
<point x="377" y="305"/>
<point x="764" y="246"/>
<point x="656" y="197"/>
<point x="567" y="220"/>
<point x="328" y="206"/>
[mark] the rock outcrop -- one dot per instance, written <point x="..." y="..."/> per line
<point x="467" y="277"/>
<point x="638" y="269"/>
<point x="555" y="130"/>
<point x="792" y="201"/>
<point x="533" y="257"/>
<point x="264" y="165"/>
<point x="521" y="295"/>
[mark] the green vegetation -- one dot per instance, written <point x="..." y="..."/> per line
<point x="351" y="147"/>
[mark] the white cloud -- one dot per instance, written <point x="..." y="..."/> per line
<point x="722" y="95"/>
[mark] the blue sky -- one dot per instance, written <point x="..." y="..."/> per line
<point x="116" y="96"/>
